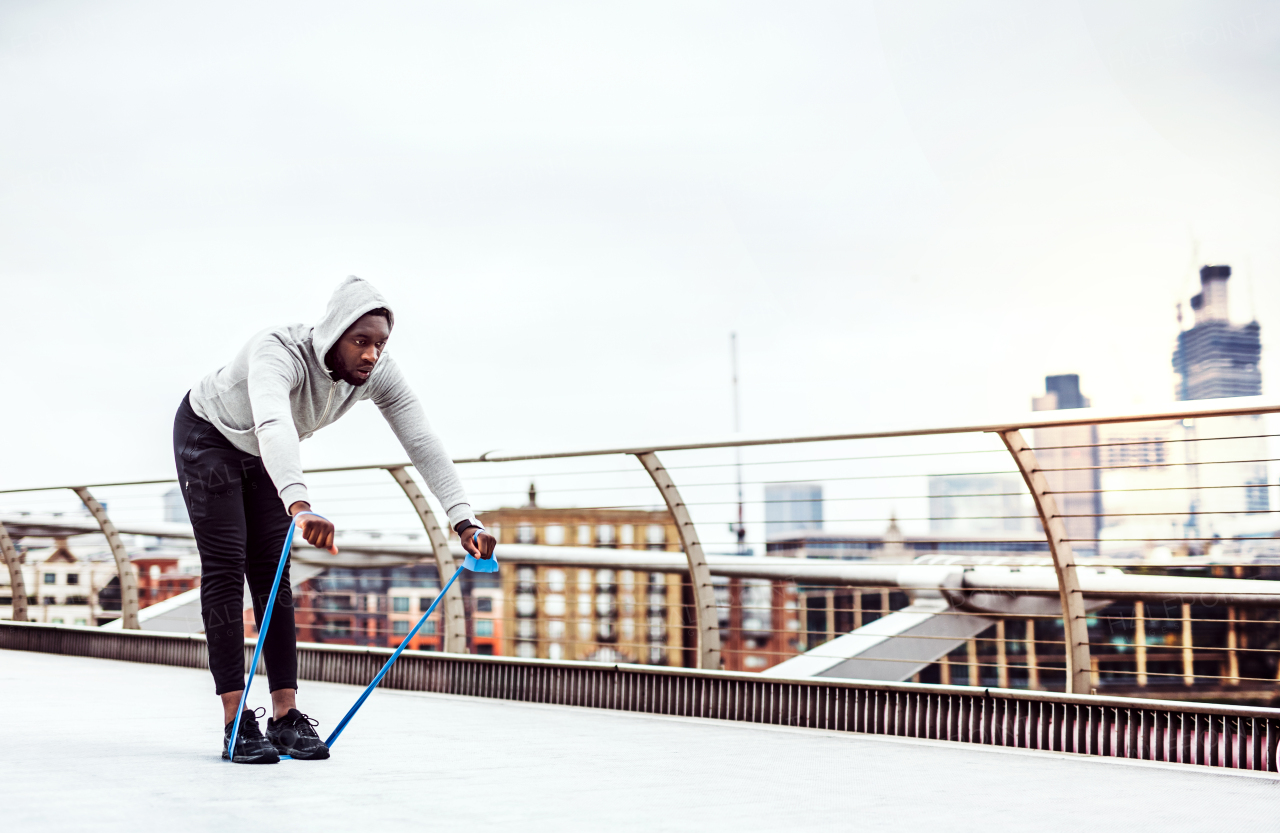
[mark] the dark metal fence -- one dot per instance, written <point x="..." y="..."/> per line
<point x="1153" y="730"/>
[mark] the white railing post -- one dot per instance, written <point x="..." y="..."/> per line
<point x="455" y="616"/>
<point x="1075" y="626"/>
<point x="124" y="567"/>
<point x="704" y="596"/>
<point x="16" y="584"/>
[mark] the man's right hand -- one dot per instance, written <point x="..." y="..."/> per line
<point x="318" y="531"/>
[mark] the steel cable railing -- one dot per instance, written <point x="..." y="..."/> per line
<point x="944" y="498"/>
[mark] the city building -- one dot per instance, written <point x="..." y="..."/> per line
<point x="175" y="507"/>
<point x="1068" y="455"/>
<point x="1186" y="487"/>
<point x="789" y="507"/>
<point x="893" y="546"/>
<point x="77" y="584"/>
<point x="1215" y="358"/>
<point x="377" y="607"/>
<point x="407" y="604"/>
<point x="980" y="504"/>
<point x="604" y="615"/>
<point x="627" y="615"/>
<point x="1144" y="479"/>
<point x="1227" y="455"/>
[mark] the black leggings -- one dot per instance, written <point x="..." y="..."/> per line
<point x="240" y="526"/>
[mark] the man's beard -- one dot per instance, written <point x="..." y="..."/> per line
<point x="333" y="359"/>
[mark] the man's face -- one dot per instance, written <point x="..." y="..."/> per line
<point x="353" y="356"/>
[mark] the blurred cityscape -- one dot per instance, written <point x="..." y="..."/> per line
<point x="1183" y="496"/>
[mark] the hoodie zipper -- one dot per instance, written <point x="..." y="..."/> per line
<point x="327" y="403"/>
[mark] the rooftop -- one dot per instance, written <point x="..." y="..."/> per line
<point x="109" y="745"/>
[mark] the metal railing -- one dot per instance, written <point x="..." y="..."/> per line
<point x="1064" y="497"/>
<point x="1151" y="730"/>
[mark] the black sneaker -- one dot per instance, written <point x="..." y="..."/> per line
<point x="251" y="746"/>
<point x="295" y="735"/>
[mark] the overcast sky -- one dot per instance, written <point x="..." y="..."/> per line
<point x="909" y="212"/>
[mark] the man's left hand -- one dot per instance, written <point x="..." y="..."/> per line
<point x="480" y="545"/>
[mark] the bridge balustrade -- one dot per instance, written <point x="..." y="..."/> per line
<point x="669" y="556"/>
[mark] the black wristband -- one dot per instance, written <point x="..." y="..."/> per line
<point x="463" y="526"/>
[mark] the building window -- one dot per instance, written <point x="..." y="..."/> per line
<point x="526" y="650"/>
<point x="337" y="627"/>
<point x="484" y="604"/>
<point x="484" y="627"/>
<point x="525" y="534"/>
<point x="74" y="578"/>
<point x="1257" y="496"/>
<point x="655" y="536"/>
<point x="399" y="604"/>
<point x="526" y="604"/>
<point x="606" y="536"/>
<point x="399" y="628"/>
<point x="553" y="535"/>
<point x="50" y="578"/>
<point x="626" y="535"/>
<point x="85" y="622"/>
<point x="584" y="535"/>
<point x="49" y="600"/>
<point x="429" y="627"/>
<point x="484" y="650"/>
<point x="555" y="581"/>
<point x="57" y="620"/>
<point x="553" y="605"/>
<point x="555" y="629"/>
<point x="555" y="651"/>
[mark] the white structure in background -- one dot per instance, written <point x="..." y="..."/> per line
<point x="792" y="507"/>
<point x="175" y="508"/>
<point x="62" y="584"/>
<point x="980" y="504"/>
<point x="1190" y="479"/>
<point x="1208" y="478"/>
<point x="1068" y="455"/>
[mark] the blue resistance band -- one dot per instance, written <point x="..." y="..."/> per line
<point x="262" y="632"/>
<point x="475" y="565"/>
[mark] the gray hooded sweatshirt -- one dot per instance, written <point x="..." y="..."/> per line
<point x="277" y="392"/>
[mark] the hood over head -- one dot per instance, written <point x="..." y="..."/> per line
<point x="352" y="299"/>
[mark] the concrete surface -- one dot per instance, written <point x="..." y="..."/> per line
<point x="99" y="745"/>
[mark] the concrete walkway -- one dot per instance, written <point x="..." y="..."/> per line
<point x="99" y="745"/>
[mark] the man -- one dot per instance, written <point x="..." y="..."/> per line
<point x="235" y="442"/>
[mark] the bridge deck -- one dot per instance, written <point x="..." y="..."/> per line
<point x="96" y="744"/>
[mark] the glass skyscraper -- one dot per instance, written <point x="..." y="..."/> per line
<point x="1215" y="358"/>
<point x="792" y="506"/>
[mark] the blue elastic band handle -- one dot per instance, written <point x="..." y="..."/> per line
<point x="476" y="565"/>
<point x="262" y="632"/>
